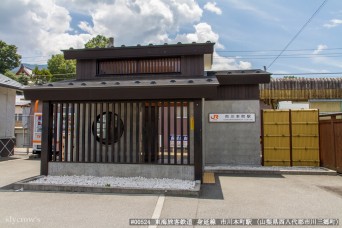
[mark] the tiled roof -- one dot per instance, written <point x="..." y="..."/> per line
<point x="70" y="84"/>
<point x="9" y="83"/>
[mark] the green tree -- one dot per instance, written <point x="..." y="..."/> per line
<point x="61" y="68"/>
<point x="98" y="41"/>
<point x="11" y="75"/>
<point x="41" y="76"/>
<point x="289" y="77"/>
<point x="9" y="58"/>
<point x="23" y="79"/>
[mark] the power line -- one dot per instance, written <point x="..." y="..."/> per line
<point x="285" y="57"/>
<point x="297" y="34"/>
<point x="291" y="50"/>
<point x="305" y="55"/>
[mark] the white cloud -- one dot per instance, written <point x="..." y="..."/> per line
<point x="37" y="28"/>
<point x="333" y="23"/>
<point x="227" y="63"/>
<point x="85" y="27"/>
<point x="319" y="49"/>
<point x="143" y="21"/>
<point x="203" y="33"/>
<point x="42" y="28"/>
<point x="211" y="6"/>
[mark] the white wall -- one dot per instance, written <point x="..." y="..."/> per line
<point x="7" y="111"/>
<point x="293" y="105"/>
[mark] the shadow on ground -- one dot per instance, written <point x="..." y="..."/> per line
<point x="7" y="187"/>
<point x="335" y="190"/>
<point x="214" y="191"/>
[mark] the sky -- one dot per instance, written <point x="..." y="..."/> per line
<point x="248" y="34"/>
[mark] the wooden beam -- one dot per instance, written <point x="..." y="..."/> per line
<point x="46" y="137"/>
<point x="198" y="140"/>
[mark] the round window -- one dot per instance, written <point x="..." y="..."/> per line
<point x="111" y="131"/>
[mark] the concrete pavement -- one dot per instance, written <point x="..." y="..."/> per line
<point x="233" y="196"/>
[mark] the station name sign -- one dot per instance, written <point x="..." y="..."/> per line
<point x="232" y="118"/>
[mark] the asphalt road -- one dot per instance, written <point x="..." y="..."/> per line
<point x="268" y="197"/>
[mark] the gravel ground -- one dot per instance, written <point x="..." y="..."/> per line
<point x="124" y="182"/>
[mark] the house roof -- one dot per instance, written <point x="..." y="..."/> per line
<point x="241" y="77"/>
<point x="138" y="51"/>
<point x="24" y="69"/>
<point x="144" y="87"/>
<point x="9" y="83"/>
<point x="124" y="89"/>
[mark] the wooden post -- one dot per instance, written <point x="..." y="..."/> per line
<point x="262" y="139"/>
<point x="46" y="137"/>
<point x="198" y="140"/>
<point x="290" y="126"/>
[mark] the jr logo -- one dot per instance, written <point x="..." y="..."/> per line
<point x="214" y="117"/>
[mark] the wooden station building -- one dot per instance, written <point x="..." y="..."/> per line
<point x="153" y="111"/>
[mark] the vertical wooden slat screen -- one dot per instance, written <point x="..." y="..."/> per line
<point x="151" y="131"/>
<point x="66" y="131"/>
<point x="137" y="134"/>
<point x="143" y="142"/>
<point x="61" y="151"/>
<point x="78" y="132"/>
<point x="175" y="131"/>
<point x="119" y="133"/>
<point x="125" y="132"/>
<point x="157" y="65"/>
<point x="131" y="132"/>
<point x="106" y="130"/>
<point x="181" y="130"/>
<point x="101" y="131"/>
<point x="83" y="130"/>
<point x="162" y="132"/>
<point x="113" y="123"/>
<point x="94" y="129"/>
<point x="155" y="133"/>
<point x="168" y="133"/>
<point x="47" y="126"/>
<point x="55" y="126"/>
<point x="72" y="133"/>
<point x="89" y="131"/>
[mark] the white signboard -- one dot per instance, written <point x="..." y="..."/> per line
<point x="179" y="141"/>
<point x="232" y="117"/>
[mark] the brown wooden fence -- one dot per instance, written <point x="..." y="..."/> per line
<point x="301" y="89"/>
<point x="330" y="127"/>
